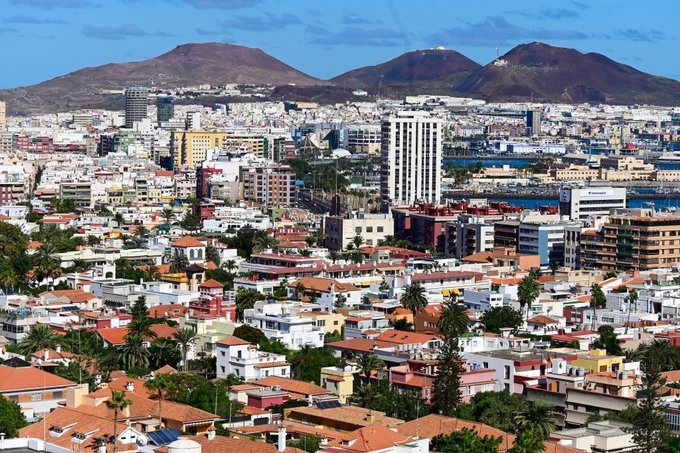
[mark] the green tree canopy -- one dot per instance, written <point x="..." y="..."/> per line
<point x="465" y="441"/>
<point x="11" y="417"/>
<point x="496" y="318"/>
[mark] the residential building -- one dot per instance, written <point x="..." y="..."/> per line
<point x="543" y="236"/>
<point x="328" y="292"/>
<point x="411" y="159"/>
<point x="282" y="321"/>
<point x="342" y="419"/>
<point x="3" y="116"/>
<point x="376" y="439"/>
<point x="191" y="148"/>
<point x="136" y="100"/>
<point x="270" y="185"/>
<point x="581" y="203"/>
<point x="506" y="233"/>
<point x="513" y="367"/>
<point x="473" y="235"/>
<point x="37" y="392"/>
<point x="339" y="381"/>
<point x="371" y="227"/>
<point x="239" y="357"/>
<point x="605" y="436"/>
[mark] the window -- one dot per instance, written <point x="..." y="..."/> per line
<point x="507" y="372"/>
<point x="369" y="229"/>
<point x="381" y="229"/>
<point x="357" y="230"/>
<point x="238" y="354"/>
<point x="223" y="370"/>
<point x="485" y="364"/>
<point x="506" y="387"/>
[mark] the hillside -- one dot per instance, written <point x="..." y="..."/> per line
<point x="186" y="65"/>
<point x="544" y="73"/>
<point x="435" y="66"/>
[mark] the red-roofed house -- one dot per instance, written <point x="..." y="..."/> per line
<point x="190" y="247"/>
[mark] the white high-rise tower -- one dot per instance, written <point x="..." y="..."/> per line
<point x="411" y="159"/>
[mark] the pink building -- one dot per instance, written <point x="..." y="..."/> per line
<point x="418" y="376"/>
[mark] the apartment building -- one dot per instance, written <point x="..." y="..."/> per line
<point x="282" y="321"/>
<point x="371" y="227"/>
<point x="270" y="185"/>
<point x="245" y="360"/>
<point x="411" y="159"/>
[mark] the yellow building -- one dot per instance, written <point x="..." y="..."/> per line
<point x="597" y="361"/>
<point x="330" y="322"/>
<point x="339" y="380"/>
<point x="191" y="148"/>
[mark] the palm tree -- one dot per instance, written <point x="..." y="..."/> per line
<point x="263" y="241"/>
<point x="141" y="326"/>
<point x="118" y="218"/>
<point x="537" y="415"/>
<point x="8" y="278"/>
<point x="39" y="337"/>
<point x="117" y="404"/>
<point x="107" y="363"/>
<point x="334" y="255"/>
<point x="632" y="298"/>
<point x="167" y="214"/>
<point x="151" y="273"/>
<point x="453" y="320"/>
<point x="160" y="352"/>
<point x="414" y="298"/>
<point x="159" y="384"/>
<point x="527" y="292"/>
<point x="357" y="241"/>
<point x="368" y="362"/>
<point x="230" y="266"/>
<point x="597" y="300"/>
<point x="245" y="299"/>
<point x="178" y="262"/>
<point x="212" y="254"/>
<point x="134" y="351"/>
<point x="185" y="337"/>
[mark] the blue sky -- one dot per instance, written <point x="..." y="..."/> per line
<point x="42" y="39"/>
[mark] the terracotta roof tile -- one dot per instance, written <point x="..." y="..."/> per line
<point x="232" y="341"/>
<point x="370" y="438"/>
<point x="29" y="378"/>
<point x="187" y="241"/>
<point x="211" y="284"/>
<point x="292" y="386"/>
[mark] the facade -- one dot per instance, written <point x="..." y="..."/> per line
<point x="411" y="159"/>
<point x="136" y="100"/>
<point x="579" y="204"/>
<point x="543" y="238"/>
<point x="533" y="126"/>
<point x="282" y="321"/>
<point x="473" y="237"/>
<point x="270" y="185"/>
<point x="237" y="356"/>
<point x="3" y="116"/>
<point x="190" y="148"/>
<point x="372" y="227"/>
<point x="512" y="367"/>
<point x="363" y="138"/>
<point x="165" y="108"/>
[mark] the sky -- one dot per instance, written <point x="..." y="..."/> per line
<point x="43" y="39"/>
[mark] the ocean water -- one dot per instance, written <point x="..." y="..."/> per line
<point x="660" y="203"/>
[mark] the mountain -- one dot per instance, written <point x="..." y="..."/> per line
<point x="413" y="69"/>
<point x="186" y="65"/>
<point x="544" y="73"/>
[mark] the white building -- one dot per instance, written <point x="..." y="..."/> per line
<point x="411" y="158"/>
<point x="508" y="364"/>
<point x="372" y="227"/>
<point x="579" y="204"/>
<point x="237" y="356"/>
<point x="481" y="301"/>
<point x="281" y="321"/>
<point x="543" y="237"/>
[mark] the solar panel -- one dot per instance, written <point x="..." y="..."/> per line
<point x="164" y="436"/>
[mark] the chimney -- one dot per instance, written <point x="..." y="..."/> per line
<point x="282" y="439"/>
<point x="130" y="387"/>
<point x="58" y="348"/>
<point x="46" y="355"/>
<point x="211" y="433"/>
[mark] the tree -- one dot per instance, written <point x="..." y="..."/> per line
<point x="414" y="298"/>
<point x="264" y="241"/>
<point x="597" y="300"/>
<point x="117" y="403"/>
<point x="528" y="441"/>
<point x="334" y="255"/>
<point x="134" y="352"/>
<point x="212" y="254"/>
<point x="184" y="338"/>
<point x="163" y="352"/>
<point x="139" y="310"/>
<point x="632" y="299"/>
<point x="358" y="241"/>
<point x="39" y="337"/>
<point x="8" y="278"/>
<point x="453" y="320"/>
<point x="608" y="340"/>
<point x="191" y="222"/>
<point x="249" y="334"/>
<point x="167" y="214"/>
<point x="340" y="300"/>
<point x="245" y="300"/>
<point x="230" y="266"/>
<point x="178" y="262"/>
<point x="495" y="409"/>
<point x="527" y="292"/>
<point x="367" y="363"/>
<point x="308" y="361"/>
<point x="309" y="444"/>
<point x="403" y="324"/>
<point x="649" y="427"/>
<point x="465" y="441"/>
<point x="160" y="384"/>
<point x="497" y="318"/>
<point x="11" y="417"/>
<point x="537" y="415"/>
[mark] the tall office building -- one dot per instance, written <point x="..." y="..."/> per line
<point x="3" y="120"/>
<point x="411" y="159"/>
<point x="533" y="122"/>
<point x="136" y="100"/>
<point x="165" y="108"/>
